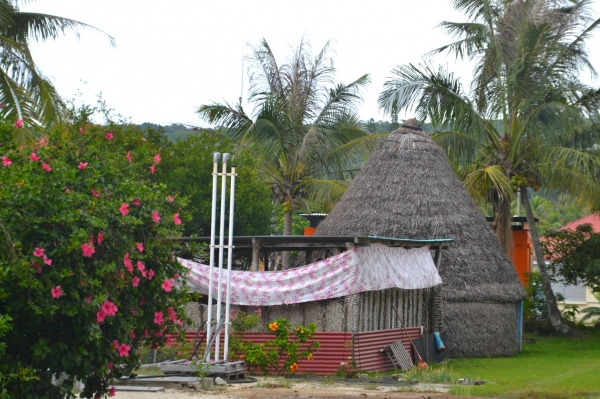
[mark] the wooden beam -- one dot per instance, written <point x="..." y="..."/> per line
<point x="255" y="253"/>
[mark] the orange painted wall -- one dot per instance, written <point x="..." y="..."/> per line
<point x="522" y="254"/>
<point x="309" y="231"/>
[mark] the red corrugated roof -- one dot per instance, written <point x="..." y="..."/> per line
<point x="593" y="219"/>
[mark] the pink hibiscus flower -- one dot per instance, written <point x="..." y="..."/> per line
<point x="135" y="281"/>
<point x="141" y="266"/>
<point x="46" y="167"/>
<point x="158" y="318"/>
<point x="34" y="157"/>
<point x="57" y="292"/>
<point x="109" y="136"/>
<point x="82" y="165"/>
<point x="132" y="333"/>
<point x="87" y="250"/>
<point x="176" y="219"/>
<point x="81" y="130"/>
<point x="124" y="209"/>
<point x="38" y="252"/>
<point x="128" y="156"/>
<point x="6" y="162"/>
<point x="37" y="266"/>
<point x="170" y="199"/>
<point x="95" y="193"/>
<point x="136" y="202"/>
<point x="100" y="238"/>
<point x="172" y="314"/>
<point x="152" y="169"/>
<point x="100" y="316"/>
<point x="67" y="190"/>
<point x="157" y="158"/>
<point x="109" y="308"/>
<point x="124" y="350"/>
<point x="127" y="263"/>
<point x="47" y="260"/>
<point x="140" y="246"/>
<point x="150" y="274"/>
<point x="19" y="123"/>
<point x="155" y="217"/>
<point x="167" y="285"/>
<point x="110" y="365"/>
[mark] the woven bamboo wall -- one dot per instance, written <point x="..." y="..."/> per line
<point x="366" y="311"/>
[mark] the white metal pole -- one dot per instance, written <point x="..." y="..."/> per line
<point x="221" y="244"/>
<point x="211" y="263"/>
<point x="229" y="262"/>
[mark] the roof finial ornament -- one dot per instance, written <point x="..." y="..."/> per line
<point x="412" y="122"/>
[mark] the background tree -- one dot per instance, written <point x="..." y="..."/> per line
<point x="187" y="169"/>
<point x="304" y="131"/>
<point x="25" y="93"/>
<point x="526" y="121"/>
<point x="575" y="256"/>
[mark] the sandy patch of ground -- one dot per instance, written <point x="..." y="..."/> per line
<point x="271" y="388"/>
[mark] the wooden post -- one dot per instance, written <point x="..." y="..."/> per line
<point x="438" y="304"/>
<point x="255" y="254"/>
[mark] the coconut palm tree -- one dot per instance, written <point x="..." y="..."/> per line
<point x="25" y="93"/>
<point x="304" y="128"/>
<point x="526" y="122"/>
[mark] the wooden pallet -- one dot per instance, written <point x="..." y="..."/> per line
<point x="398" y="355"/>
<point x="229" y="371"/>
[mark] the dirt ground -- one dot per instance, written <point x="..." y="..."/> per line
<point x="297" y="390"/>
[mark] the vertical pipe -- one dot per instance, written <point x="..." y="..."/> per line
<point x="520" y="326"/>
<point x="229" y="262"/>
<point x="221" y="245"/>
<point x="211" y="263"/>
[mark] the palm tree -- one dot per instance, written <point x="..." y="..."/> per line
<point x="25" y="93"/>
<point x="527" y="119"/>
<point x="304" y="128"/>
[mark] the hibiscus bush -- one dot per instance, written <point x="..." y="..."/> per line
<point x="86" y="277"/>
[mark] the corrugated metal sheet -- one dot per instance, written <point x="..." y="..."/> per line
<point x="367" y="345"/>
<point x="336" y="347"/>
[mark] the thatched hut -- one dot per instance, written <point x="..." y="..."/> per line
<point x="408" y="189"/>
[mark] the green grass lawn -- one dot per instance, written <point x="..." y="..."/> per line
<point x="552" y="368"/>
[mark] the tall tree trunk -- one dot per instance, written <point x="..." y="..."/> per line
<point x="286" y="257"/>
<point x="554" y="315"/>
<point x="503" y="226"/>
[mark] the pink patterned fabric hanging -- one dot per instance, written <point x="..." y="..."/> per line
<point x="371" y="268"/>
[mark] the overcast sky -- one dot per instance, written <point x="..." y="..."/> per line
<point x="173" y="56"/>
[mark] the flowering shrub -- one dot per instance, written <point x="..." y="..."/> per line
<point x="347" y="369"/>
<point x="85" y="277"/>
<point x="281" y="355"/>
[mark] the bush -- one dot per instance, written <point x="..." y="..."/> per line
<point x="280" y="356"/>
<point x="86" y="277"/>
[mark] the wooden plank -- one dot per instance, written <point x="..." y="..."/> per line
<point x="137" y="388"/>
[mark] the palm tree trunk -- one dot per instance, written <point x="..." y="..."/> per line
<point x="554" y="315"/>
<point x="286" y="257"/>
<point x="503" y="226"/>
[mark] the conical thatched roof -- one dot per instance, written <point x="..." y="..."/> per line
<point x="407" y="189"/>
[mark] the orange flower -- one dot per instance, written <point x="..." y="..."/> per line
<point x="294" y="367"/>
<point x="309" y="357"/>
<point x="273" y="326"/>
